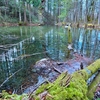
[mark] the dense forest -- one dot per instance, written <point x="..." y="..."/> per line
<point x="50" y="11"/>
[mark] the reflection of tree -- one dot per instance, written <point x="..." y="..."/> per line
<point x="69" y="40"/>
<point x="86" y="42"/>
<point x="83" y="41"/>
<point x="95" y="44"/>
<point x="55" y="44"/>
<point x="10" y="63"/>
<point x="69" y="35"/>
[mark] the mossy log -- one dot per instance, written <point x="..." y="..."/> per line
<point x="68" y="87"/>
<point x="92" y="89"/>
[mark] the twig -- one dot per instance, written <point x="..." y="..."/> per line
<point x="57" y="70"/>
<point x="10" y="77"/>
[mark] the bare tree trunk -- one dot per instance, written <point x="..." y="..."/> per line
<point x="25" y="6"/>
<point x="81" y="10"/>
<point x="20" y="18"/>
<point x="30" y="15"/>
<point x="86" y="11"/>
<point x="99" y="14"/>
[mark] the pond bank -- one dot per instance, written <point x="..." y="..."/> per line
<point x="81" y="25"/>
<point x="20" y="24"/>
<point x="77" y="25"/>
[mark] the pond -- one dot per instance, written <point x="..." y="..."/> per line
<point x="21" y="47"/>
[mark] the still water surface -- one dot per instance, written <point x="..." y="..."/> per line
<point x="21" y="47"/>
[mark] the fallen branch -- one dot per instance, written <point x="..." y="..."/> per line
<point x="58" y="71"/>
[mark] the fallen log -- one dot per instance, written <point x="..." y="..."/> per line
<point x="76" y="88"/>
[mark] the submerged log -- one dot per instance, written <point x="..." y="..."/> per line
<point x="69" y="87"/>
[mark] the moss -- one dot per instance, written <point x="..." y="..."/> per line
<point x="92" y="87"/>
<point x="69" y="35"/>
<point x="42" y="88"/>
<point x="90" y="25"/>
<point x="77" y="88"/>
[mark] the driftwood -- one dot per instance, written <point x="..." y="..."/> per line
<point x="55" y="69"/>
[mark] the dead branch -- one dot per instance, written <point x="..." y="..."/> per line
<point x="58" y="71"/>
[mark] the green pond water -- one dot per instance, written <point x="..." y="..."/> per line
<point x="21" y="47"/>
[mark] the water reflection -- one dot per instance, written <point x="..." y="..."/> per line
<point x="19" y="53"/>
<point x="14" y="55"/>
<point x="84" y="41"/>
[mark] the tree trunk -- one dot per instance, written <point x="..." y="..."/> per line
<point x="99" y="14"/>
<point x="25" y="6"/>
<point x="86" y="14"/>
<point x="30" y="15"/>
<point x="20" y="18"/>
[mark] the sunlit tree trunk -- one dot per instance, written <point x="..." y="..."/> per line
<point x="54" y="11"/>
<point x="86" y="14"/>
<point x="15" y="8"/>
<point x="58" y="10"/>
<point x="20" y="18"/>
<point x="25" y="6"/>
<point x="81" y="9"/>
<point x="46" y="5"/>
<point x="75" y="11"/>
<point x="30" y="16"/>
<point x="49" y="6"/>
<point x="0" y="12"/>
<point x="99" y="14"/>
